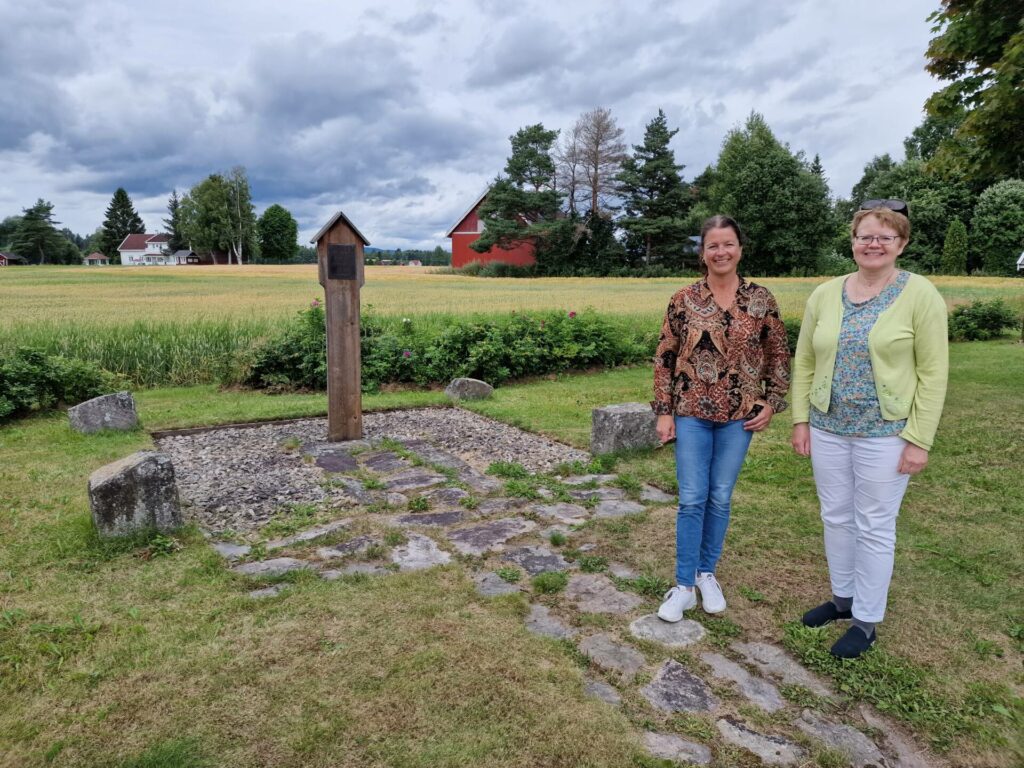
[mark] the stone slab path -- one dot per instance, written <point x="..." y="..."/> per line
<point x="409" y="504"/>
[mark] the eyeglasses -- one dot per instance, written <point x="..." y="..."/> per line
<point x="882" y="239"/>
<point x="898" y="206"/>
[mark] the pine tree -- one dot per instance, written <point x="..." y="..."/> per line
<point x="172" y="224"/>
<point x="655" y="200"/>
<point x="36" y="237"/>
<point x="120" y="221"/>
<point x="954" y="250"/>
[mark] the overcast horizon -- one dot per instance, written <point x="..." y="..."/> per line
<point x="400" y="115"/>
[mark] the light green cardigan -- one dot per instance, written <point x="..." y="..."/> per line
<point x="909" y="356"/>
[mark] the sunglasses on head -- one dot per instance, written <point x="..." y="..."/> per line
<point x="897" y="206"/>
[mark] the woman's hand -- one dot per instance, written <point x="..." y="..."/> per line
<point x="762" y="420"/>
<point x="666" y="428"/>
<point x="802" y="439"/>
<point x="913" y="460"/>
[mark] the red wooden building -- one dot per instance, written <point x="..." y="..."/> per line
<point x="468" y="230"/>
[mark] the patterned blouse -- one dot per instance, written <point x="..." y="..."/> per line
<point x="716" y="363"/>
<point x="853" y="408"/>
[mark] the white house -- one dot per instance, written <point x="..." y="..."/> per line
<point x="142" y="250"/>
<point x="1020" y="262"/>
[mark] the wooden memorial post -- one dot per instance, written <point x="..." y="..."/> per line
<point x="339" y="256"/>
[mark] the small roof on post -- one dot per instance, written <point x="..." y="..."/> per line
<point x="334" y="220"/>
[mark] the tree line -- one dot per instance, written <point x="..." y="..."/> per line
<point x="590" y="207"/>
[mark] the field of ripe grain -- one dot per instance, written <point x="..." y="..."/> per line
<point x="115" y="295"/>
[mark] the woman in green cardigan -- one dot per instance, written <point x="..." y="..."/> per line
<point x="869" y="381"/>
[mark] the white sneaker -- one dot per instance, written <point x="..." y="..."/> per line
<point x="677" y="601"/>
<point x="711" y="597"/>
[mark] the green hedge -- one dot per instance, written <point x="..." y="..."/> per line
<point x="31" y="380"/>
<point x="484" y="347"/>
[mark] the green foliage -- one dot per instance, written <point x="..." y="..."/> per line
<point x="522" y="204"/>
<point x="979" y="49"/>
<point x="172" y="224"/>
<point x="651" y="586"/>
<point x="494" y="349"/>
<point x="980" y="320"/>
<point x="550" y="582"/>
<point x="592" y="563"/>
<point x="173" y="753"/>
<point x="557" y="539"/>
<point x="278" y="235"/>
<point x="782" y="206"/>
<point x="120" y="220"/>
<point x="418" y="504"/>
<point x="36" y="237"/>
<point x="655" y="200"/>
<point x="954" y="249"/>
<point x="997" y="229"/>
<point x="31" y="380"/>
<point x="509" y="574"/>
<point x="508" y="469"/>
<point x="217" y="214"/>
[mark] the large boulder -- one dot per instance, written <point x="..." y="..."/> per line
<point x="116" y="411"/>
<point x="468" y="389"/>
<point x="625" y="426"/>
<point x="134" y="494"/>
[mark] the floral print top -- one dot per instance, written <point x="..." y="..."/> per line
<point x="715" y="363"/>
<point x="853" y="409"/>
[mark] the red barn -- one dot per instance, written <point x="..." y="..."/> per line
<point x="468" y="230"/>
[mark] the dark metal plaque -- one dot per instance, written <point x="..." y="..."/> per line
<point x="341" y="262"/>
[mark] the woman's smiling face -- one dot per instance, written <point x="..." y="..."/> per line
<point x="722" y="251"/>
<point x="876" y="255"/>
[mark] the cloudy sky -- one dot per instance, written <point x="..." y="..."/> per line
<point x="399" y="112"/>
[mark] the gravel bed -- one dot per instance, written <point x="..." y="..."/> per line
<point x="234" y="480"/>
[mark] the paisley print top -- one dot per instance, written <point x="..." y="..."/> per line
<point x="853" y="408"/>
<point x="716" y="363"/>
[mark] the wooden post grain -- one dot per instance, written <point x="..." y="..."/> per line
<point x="344" y="364"/>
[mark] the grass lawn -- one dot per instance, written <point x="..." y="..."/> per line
<point x="125" y="656"/>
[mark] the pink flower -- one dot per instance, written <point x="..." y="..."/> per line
<point x="314" y="303"/>
<point x="572" y="314"/>
<point x="406" y="353"/>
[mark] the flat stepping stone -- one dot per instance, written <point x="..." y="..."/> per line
<point x="308" y="535"/>
<point x="337" y="462"/>
<point x="668" y="746"/>
<point x="369" y="569"/>
<point x="548" y="532"/>
<point x="419" y="553"/>
<point x="451" y="497"/>
<point x="535" y="560"/>
<point x="480" y="483"/>
<point x="620" y="571"/>
<point x="759" y="691"/>
<point x="231" y="552"/>
<point x="599" y="689"/>
<point x="858" y="748"/>
<point x="271" y="591"/>
<point x="570" y="514"/>
<point x="480" y="539"/>
<point x="679" y="634"/>
<point x="651" y="493"/>
<point x="544" y="493"/>
<point x="773" y="750"/>
<point x="607" y="509"/>
<point x="541" y="622"/>
<point x="395" y="499"/>
<point x="594" y="593"/>
<point x="906" y="752"/>
<point x="492" y="585"/>
<point x="775" y="662"/>
<point x="601" y="494"/>
<point x="500" y="506"/>
<point x="384" y="462"/>
<point x="608" y="654"/>
<point x="585" y="479"/>
<point x="413" y="480"/>
<point x="676" y="689"/>
<point x="434" y="455"/>
<point x="274" y="567"/>
<point x="431" y="518"/>
<point x="353" y="546"/>
<point x="352" y="488"/>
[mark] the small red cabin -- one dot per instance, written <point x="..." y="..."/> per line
<point x="468" y="231"/>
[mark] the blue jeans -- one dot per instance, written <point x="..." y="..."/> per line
<point x="709" y="456"/>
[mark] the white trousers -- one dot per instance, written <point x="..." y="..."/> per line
<point x="860" y="493"/>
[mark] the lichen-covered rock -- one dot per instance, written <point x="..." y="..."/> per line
<point x="133" y="494"/>
<point x="116" y="411"/>
<point x="625" y="426"/>
<point x="468" y="389"/>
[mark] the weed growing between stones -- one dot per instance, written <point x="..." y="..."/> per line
<point x="511" y="575"/>
<point x="291" y="518"/>
<point x="592" y="563"/>
<point x="557" y="539"/>
<point x="418" y="504"/>
<point x="510" y="470"/>
<point x="394" y="538"/>
<point x="549" y="583"/>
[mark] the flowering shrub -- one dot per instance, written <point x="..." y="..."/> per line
<point x="491" y="348"/>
